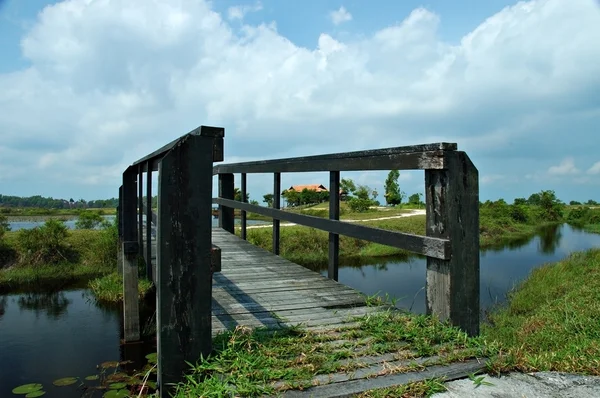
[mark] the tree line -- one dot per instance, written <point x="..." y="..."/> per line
<point x="42" y="202"/>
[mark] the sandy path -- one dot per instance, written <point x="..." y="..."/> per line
<point x="412" y="213"/>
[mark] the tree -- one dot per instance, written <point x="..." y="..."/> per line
<point x="363" y="192"/>
<point x="574" y="203"/>
<point x="534" y="199"/>
<point x="292" y="197"/>
<point x="347" y="186"/>
<point x="4" y="225"/>
<point x="393" y="195"/>
<point x="520" y="201"/>
<point x="268" y="199"/>
<point x="414" y="199"/>
<point x="88" y="219"/>
<point x="237" y="195"/>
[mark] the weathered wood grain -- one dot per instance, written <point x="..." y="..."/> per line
<point x="452" y="198"/>
<point x="130" y="250"/>
<point x="184" y="258"/>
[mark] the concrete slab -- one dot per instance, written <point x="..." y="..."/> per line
<point x="532" y="385"/>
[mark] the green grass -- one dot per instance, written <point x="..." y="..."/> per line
<point x="552" y="321"/>
<point x="424" y="388"/>
<point x="592" y="228"/>
<point x="305" y="245"/>
<point x="255" y="362"/>
<point x="109" y="288"/>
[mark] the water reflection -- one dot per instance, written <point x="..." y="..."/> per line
<point x="550" y="238"/>
<point x="54" y="305"/>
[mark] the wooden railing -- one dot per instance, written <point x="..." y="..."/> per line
<point x="185" y="257"/>
<point x="451" y="243"/>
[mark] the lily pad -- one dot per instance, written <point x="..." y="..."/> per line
<point x="117" y="377"/>
<point x="35" y="394"/>
<point x="109" y="364"/>
<point x="117" y="386"/>
<point x="27" y="388"/>
<point x="92" y="377"/>
<point x="65" y="381"/>
<point x="116" y="394"/>
<point x="152" y="358"/>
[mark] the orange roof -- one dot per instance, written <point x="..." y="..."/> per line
<point x="310" y="187"/>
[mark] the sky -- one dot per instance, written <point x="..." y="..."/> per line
<point x="89" y="86"/>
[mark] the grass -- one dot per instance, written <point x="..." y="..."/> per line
<point x="109" y="288"/>
<point x="424" y="388"/>
<point x="305" y="245"/>
<point x="552" y="321"/>
<point x="256" y="362"/>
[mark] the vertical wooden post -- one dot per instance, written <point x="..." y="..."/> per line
<point x="120" y="229"/>
<point x="131" y="315"/>
<point x="149" y="273"/>
<point x="243" y="213"/>
<point x="276" y="205"/>
<point x="227" y="191"/>
<point x="452" y="198"/>
<point x="184" y="283"/>
<point x="140" y="207"/>
<point x="334" y="214"/>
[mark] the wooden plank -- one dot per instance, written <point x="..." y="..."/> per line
<point x="226" y="214"/>
<point x="216" y="133"/>
<point x="352" y="387"/>
<point x="407" y="157"/>
<point x="184" y="258"/>
<point x="276" y="205"/>
<point x="452" y="198"/>
<point x="334" y="214"/>
<point x="130" y="250"/>
<point x="425" y="245"/>
<point x="285" y="305"/>
<point x="149" y="219"/>
<point x="243" y="214"/>
<point x="140" y="206"/>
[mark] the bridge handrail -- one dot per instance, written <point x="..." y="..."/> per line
<point x="451" y="242"/>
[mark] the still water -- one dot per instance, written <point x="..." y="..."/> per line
<point x="500" y="268"/>
<point x="44" y="337"/>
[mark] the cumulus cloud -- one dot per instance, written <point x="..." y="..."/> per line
<point x="110" y="81"/>
<point x="239" y="12"/>
<point x="595" y="169"/>
<point x="566" y="167"/>
<point x="340" y="16"/>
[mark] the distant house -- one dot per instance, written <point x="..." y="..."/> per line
<point x="310" y="187"/>
<point x="317" y="188"/>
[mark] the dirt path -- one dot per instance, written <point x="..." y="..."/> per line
<point x="412" y="213"/>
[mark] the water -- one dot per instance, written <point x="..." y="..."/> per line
<point x="44" y="337"/>
<point x="500" y="269"/>
<point x="37" y="222"/>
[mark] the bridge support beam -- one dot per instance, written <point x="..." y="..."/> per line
<point x="226" y="214"/>
<point x="184" y="277"/>
<point x="452" y="197"/>
<point x="130" y="250"/>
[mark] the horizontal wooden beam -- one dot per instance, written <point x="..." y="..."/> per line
<point x="207" y="131"/>
<point x="429" y="160"/>
<point x="431" y="247"/>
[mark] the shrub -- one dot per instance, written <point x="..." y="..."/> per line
<point x="88" y="219"/>
<point x="359" y="205"/>
<point x="519" y="213"/>
<point x="45" y="244"/>
<point x="105" y="247"/>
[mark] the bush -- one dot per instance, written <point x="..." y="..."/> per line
<point x="519" y="213"/>
<point x="359" y="205"/>
<point x="89" y="219"/>
<point x="583" y="216"/>
<point x="4" y="226"/>
<point x="45" y="244"/>
<point x="105" y="247"/>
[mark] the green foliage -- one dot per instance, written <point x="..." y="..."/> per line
<point x="7" y="202"/>
<point x="358" y="205"/>
<point x="415" y="199"/>
<point x="45" y="244"/>
<point x="591" y="202"/>
<point x="584" y="215"/>
<point x="520" y="201"/>
<point x="574" y="203"/>
<point x="89" y="219"/>
<point x="551" y="320"/>
<point x="363" y="192"/>
<point x="551" y="209"/>
<point x="109" y="288"/>
<point x="347" y="186"/>
<point x="4" y="226"/>
<point x="237" y="195"/>
<point x="393" y="195"/>
<point x="268" y="199"/>
<point x="306" y="197"/>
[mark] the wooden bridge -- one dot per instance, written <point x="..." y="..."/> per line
<point x="209" y="280"/>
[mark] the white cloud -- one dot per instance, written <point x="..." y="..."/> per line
<point x="111" y="81"/>
<point x="239" y="12"/>
<point x="340" y="16"/>
<point x="566" y="167"/>
<point x="489" y="178"/>
<point x="595" y="169"/>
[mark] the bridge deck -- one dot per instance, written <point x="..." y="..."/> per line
<point x="256" y="288"/>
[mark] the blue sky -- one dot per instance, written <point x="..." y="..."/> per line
<point x="87" y="87"/>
